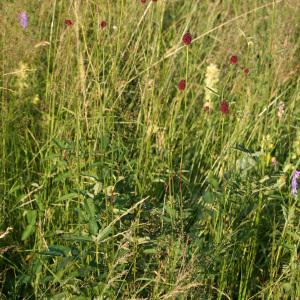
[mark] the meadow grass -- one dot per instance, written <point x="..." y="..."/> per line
<point x="117" y="182"/>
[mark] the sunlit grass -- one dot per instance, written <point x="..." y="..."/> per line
<point x="142" y="162"/>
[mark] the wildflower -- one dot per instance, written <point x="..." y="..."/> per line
<point x="35" y="100"/>
<point x="281" y="181"/>
<point x="187" y="38"/>
<point x="233" y="59"/>
<point x="224" y="107"/>
<point x="295" y="176"/>
<point x="22" y="76"/>
<point x="287" y="167"/>
<point x="68" y="22"/>
<point x="280" y="112"/>
<point x="274" y="161"/>
<point x="182" y="85"/>
<point x="23" y="19"/>
<point x="103" y="24"/>
<point x="208" y="106"/>
<point x="143" y="1"/>
<point x="211" y="80"/>
<point x="296" y="144"/>
<point x="246" y="71"/>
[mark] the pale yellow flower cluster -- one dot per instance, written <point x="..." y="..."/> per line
<point x="211" y="80"/>
<point x="296" y="146"/>
<point x="21" y="75"/>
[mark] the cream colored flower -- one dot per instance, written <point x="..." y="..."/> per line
<point x="22" y="75"/>
<point x="211" y="81"/>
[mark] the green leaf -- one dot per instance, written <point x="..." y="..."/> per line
<point x="150" y="251"/>
<point x="171" y="211"/>
<point x="28" y="231"/>
<point x="68" y="196"/>
<point x="77" y="238"/>
<point x="93" y="227"/>
<point x="104" y="233"/>
<point x="213" y="181"/>
<point x="64" y="250"/>
<point x="90" y="208"/>
<point x="208" y="197"/>
<point x="62" y="144"/>
<point x="31" y="217"/>
<point x="167" y="220"/>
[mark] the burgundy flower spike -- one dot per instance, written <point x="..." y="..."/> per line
<point x="187" y="38"/>
<point x="103" y="24"/>
<point x="182" y="85"/>
<point x="233" y="59"/>
<point x="224" y="107"/>
<point x="68" y="22"/>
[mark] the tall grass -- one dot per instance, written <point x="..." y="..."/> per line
<point x="115" y="184"/>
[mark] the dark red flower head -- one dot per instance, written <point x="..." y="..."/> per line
<point x="103" y="24"/>
<point x="224" y="107"/>
<point x="187" y="38"/>
<point x="182" y="85"/>
<point x="246" y="71"/>
<point x="68" y="22"/>
<point x="233" y="59"/>
<point x="143" y="1"/>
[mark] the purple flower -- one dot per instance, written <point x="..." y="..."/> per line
<point x="295" y="176"/>
<point x="23" y="19"/>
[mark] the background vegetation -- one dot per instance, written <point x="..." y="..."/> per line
<point x="115" y="184"/>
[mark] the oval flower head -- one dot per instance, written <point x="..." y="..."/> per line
<point x="182" y="85"/>
<point x="224" y="107"/>
<point x="68" y="22"/>
<point x="187" y="38"/>
<point x="103" y="24"/>
<point x="233" y="59"/>
<point x="23" y="19"/>
<point x="295" y="176"/>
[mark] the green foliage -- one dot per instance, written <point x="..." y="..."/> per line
<point x="117" y="185"/>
